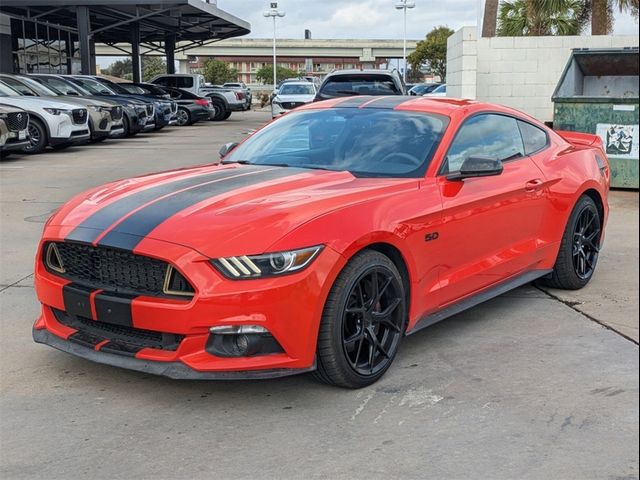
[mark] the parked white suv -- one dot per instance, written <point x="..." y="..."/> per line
<point x="55" y="123"/>
<point x="292" y="95"/>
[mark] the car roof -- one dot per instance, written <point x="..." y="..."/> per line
<point x="364" y="71"/>
<point x="446" y="106"/>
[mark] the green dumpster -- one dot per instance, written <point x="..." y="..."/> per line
<point x="598" y="93"/>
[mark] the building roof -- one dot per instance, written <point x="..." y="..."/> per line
<point x="191" y="20"/>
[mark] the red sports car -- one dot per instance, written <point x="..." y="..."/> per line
<point x="321" y="241"/>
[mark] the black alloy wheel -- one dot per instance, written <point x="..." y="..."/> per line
<point x="586" y="243"/>
<point x="363" y="322"/>
<point x="372" y="321"/>
<point x="579" y="248"/>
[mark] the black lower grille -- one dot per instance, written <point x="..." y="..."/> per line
<point x="17" y="121"/>
<point x="115" y="270"/>
<point x="79" y="116"/>
<point x="291" y="105"/>
<point x="120" y="334"/>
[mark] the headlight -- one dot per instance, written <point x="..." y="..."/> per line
<point x="96" y="108"/>
<point x="57" y="111"/>
<point x="3" y="116"/>
<point x="267" y="265"/>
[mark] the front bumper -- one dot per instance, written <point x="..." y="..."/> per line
<point x="290" y="308"/>
<point x="174" y="370"/>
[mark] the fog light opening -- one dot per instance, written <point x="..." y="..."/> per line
<point x="241" y="341"/>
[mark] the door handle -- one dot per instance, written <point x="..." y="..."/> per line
<point x="534" y="185"/>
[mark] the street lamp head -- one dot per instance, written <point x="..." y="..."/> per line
<point x="281" y="14"/>
<point x="404" y="4"/>
<point x="273" y="13"/>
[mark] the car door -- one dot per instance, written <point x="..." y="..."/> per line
<point x="490" y="224"/>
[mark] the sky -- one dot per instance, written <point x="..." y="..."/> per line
<point x="362" y="19"/>
<point x="376" y="19"/>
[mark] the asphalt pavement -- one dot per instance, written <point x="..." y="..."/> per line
<point x="531" y="385"/>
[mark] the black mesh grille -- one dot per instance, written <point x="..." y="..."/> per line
<point x="116" y="270"/>
<point x="17" y="121"/>
<point x="120" y="333"/>
<point x="291" y="105"/>
<point x="116" y="113"/>
<point x="79" y="116"/>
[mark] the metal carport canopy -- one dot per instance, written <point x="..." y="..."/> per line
<point x="156" y="24"/>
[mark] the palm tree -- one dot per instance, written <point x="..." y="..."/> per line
<point x="602" y="13"/>
<point x="490" y="20"/>
<point x="541" y="17"/>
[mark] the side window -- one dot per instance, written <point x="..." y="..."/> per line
<point x="535" y="139"/>
<point x="487" y="135"/>
<point x="166" y="81"/>
<point x="184" y="82"/>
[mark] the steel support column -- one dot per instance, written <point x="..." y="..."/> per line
<point x="135" y="52"/>
<point x="84" y="31"/>
<point x="170" y="52"/>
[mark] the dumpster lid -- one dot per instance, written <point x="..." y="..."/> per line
<point x="600" y="74"/>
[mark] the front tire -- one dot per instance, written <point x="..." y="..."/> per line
<point x="579" y="249"/>
<point x="363" y="322"/>
<point x="38" y="138"/>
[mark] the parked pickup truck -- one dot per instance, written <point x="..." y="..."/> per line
<point x="224" y="100"/>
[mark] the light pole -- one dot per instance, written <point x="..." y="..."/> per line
<point x="274" y="13"/>
<point x="404" y="5"/>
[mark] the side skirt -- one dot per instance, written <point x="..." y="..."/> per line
<point x="478" y="298"/>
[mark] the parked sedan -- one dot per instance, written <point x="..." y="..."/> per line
<point x="440" y="91"/>
<point x="292" y="95"/>
<point x="14" y="134"/>
<point x="51" y="122"/>
<point x="192" y="108"/>
<point x="423" y="88"/>
<point x="244" y="88"/>
<point x="322" y="240"/>
<point x="105" y="119"/>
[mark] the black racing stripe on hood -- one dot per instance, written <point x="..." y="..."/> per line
<point x="354" y="102"/>
<point x="133" y="229"/>
<point x="389" y="102"/>
<point x="93" y="226"/>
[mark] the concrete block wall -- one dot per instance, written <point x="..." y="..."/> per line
<point x="519" y="72"/>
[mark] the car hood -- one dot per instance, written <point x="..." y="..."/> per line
<point x="295" y="98"/>
<point x="38" y="103"/>
<point x="79" y="101"/>
<point x="218" y="211"/>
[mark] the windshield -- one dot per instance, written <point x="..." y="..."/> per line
<point x="359" y="84"/>
<point x="365" y="142"/>
<point x="94" y="87"/>
<point x="60" y="85"/>
<point x="39" y="88"/>
<point x="114" y="87"/>
<point x="7" y="91"/>
<point x="297" y="89"/>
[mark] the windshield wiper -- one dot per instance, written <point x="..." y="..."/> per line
<point x="248" y="162"/>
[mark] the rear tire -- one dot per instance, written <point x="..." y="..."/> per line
<point x="221" y="111"/>
<point x="226" y="115"/>
<point x="579" y="249"/>
<point x="184" y="117"/>
<point x="363" y="322"/>
<point x="38" y="137"/>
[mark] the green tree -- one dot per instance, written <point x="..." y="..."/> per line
<point x="120" y="68"/>
<point x="432" y="51"/>
<point x="518" y="18"/>
<point x="152" y="66"/>
<point x="219" y="72"/>
<point x="602" y="16"/>
<point x="265" y="74"/>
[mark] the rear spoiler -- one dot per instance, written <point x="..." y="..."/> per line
<point x="579" y="138"/>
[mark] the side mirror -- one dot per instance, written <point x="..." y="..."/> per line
<point x="227" y="148"/>
<point x="477" y="166"/>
